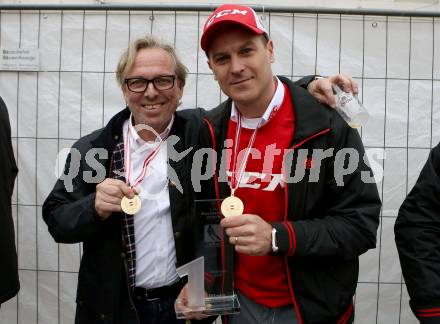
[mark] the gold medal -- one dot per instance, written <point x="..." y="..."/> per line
<point x="131" y="206"/>
<point x="232" y="206"/>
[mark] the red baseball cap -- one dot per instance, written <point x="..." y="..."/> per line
<point x="228" y="14"/>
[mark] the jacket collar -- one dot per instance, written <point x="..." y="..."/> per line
<point x="111" y="133"/>
<point x="310" y="116"/>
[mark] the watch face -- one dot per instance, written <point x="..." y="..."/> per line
<point x="274" y="240"/>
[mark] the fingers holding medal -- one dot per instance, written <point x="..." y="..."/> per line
<point x="109" y="194"/>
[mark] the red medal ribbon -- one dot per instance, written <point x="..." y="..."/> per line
<point x="235" y="181"/>
<point x="127" y="160"/>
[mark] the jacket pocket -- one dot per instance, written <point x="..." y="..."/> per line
<point x="325" y="289"/>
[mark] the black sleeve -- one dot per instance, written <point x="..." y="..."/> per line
<point x="417" y="235"/>
<point x="350" y="214"/>
<point x="9" y="283"/>
<point x="69" y="210"/>
<point x="305" y="81"/>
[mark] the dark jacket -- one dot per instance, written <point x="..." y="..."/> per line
<point x="417" y="234"/>
<point x="326" y="227"/>
<point x="103" y="293"/>
<point x="9" y="284"/>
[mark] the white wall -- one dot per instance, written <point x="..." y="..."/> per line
<point x="395" y="60"/>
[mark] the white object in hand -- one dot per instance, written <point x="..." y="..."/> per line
<point x="350" y="108"/>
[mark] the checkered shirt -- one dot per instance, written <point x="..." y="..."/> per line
<point x="117" y="172"/>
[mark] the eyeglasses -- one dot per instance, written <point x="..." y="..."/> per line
<point x="163" y="82"/>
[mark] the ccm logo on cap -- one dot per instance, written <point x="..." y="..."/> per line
<point x="225" y="13"/>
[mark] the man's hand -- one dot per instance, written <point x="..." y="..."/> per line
<point x="108" y="196"/>
<point x="183" y="307"/>
<point x="249" y="233"/>
<point x="321" y="88"/>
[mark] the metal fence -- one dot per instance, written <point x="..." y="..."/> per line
<point x="393" y="55"/>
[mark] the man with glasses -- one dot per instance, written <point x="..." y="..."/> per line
<point x="135" y="223"/>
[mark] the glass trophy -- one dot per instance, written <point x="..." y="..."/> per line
<point x="210" y="287"/>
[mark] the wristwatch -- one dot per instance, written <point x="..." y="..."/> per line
<point x="274" y="240"/>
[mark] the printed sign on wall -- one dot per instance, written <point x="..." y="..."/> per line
<point x="19" y="59"/>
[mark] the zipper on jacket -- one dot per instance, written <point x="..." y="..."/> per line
<point x="344" y="319"/>
<point x="214" y="162"/>
<point x="127" y="281"/>
<point x="129" y="292"/>
<point x="286" y="258"/>
<point x="286" y="208"/>
<point x="211" y="130"/>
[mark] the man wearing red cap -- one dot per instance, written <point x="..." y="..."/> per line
<point x="135" y="223"/>
<point x="298" y="239"/>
